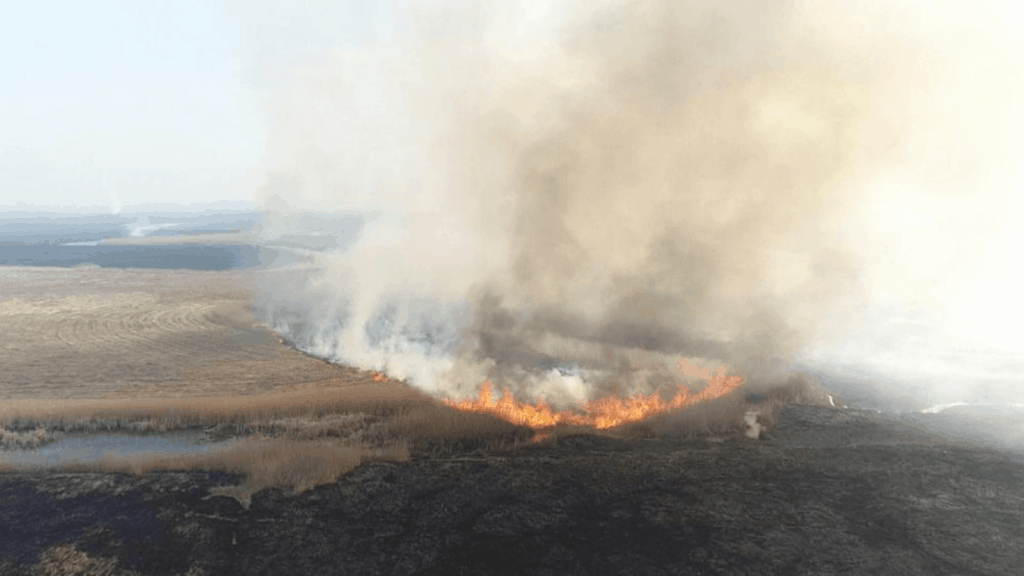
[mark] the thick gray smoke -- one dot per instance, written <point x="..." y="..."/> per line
<point x="571" y="201"/>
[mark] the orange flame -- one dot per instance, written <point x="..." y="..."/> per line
<point x="601" y="414"/>
<point x="379" y="377"/>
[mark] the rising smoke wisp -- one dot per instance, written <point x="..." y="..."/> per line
<point x="570" y="203"/>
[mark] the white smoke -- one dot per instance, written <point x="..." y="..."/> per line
<point x="570" y="200"/>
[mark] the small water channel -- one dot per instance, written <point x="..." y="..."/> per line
<point x="86" y="448"/>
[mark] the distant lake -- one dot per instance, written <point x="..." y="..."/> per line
<point x="172" y="256"/>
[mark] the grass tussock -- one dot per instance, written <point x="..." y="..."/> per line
<point x="64" y="560"/>
<point x="10" y="439"/>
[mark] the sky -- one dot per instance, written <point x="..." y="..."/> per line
<point x="109" y="104"/>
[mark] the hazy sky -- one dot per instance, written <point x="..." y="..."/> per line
<point x="121" y="101"/>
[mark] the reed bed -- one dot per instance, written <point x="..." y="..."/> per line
<point x="262" y="462"/>
<point x="303" y="438"/>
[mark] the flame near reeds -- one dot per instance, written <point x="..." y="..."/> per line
<point x="602" y="414"/>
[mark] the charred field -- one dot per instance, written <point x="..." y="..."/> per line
<point x="823" y="491"/>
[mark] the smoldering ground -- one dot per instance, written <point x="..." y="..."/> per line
<point x="575" y="199"/>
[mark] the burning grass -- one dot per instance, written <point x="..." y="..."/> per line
<point x="602" y="414"/>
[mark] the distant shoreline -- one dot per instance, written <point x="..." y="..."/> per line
<point x="146" y="255"/>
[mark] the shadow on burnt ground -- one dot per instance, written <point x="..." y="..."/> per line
<point x="824" y="491"/>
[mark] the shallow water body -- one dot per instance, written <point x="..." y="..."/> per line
<point x="174" y="256"/>
<point x="93" y="447"/>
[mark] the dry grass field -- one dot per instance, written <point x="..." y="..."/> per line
<point x="90" y="332"/>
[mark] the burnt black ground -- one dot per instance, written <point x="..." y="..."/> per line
<point x="824" y="492"/>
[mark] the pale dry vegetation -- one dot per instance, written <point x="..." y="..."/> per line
<point x="261" y="462"/>
<point x="69" y="560"/>
<point x="65" y="560"/>
<point x="353" y="415"/>
<point x="307" y="437"/>
<point x="297" y="440"/>
<point x="159" y="414"/>
<point x="12" y="439"/>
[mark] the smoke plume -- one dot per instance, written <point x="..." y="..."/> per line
<point x="571" y="202"/>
